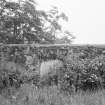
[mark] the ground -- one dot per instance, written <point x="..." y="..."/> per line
<point x="29" y="95"/>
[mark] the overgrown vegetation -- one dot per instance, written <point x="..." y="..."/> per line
<point x="28" y="95"/>
<point x="81" y="72"/>
<point x="78" y="71"/>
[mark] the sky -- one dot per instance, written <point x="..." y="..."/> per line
<point x="86" y="18"/>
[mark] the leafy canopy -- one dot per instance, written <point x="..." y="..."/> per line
<point x="21" y="22"/>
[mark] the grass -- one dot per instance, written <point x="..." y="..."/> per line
<point x="29" y="95"/>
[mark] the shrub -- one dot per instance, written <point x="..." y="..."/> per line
<point x="10" y="74"/>
<point x="85" y="74"/>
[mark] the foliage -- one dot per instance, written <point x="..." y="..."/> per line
<point x="21" y="22"/>
<point x="54" y="27"/>
<point x="10" y="74"/>
<point x="18" y="19"/>
<point x="85" y="72"/>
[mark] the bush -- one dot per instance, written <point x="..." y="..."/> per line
<point x="85" y="74"/>
<point x="74" y="69"/>
<point x="10" y="74"/>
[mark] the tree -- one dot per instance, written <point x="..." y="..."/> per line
<point x="53" y="26"/>
<point x="21" y="21"/>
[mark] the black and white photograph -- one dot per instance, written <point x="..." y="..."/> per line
<point x="52" y="52"/>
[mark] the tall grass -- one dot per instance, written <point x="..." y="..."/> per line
<point x="29" y="95"/>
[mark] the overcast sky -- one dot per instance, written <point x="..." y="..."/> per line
<point x="86" y="18"/>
